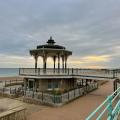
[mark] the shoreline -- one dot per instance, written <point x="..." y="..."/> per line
<point x="9" y="78"/>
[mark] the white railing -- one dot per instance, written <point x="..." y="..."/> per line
<point x="104" y="73"/>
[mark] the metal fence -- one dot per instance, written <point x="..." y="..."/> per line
<point x="11" y="87"/>
<point x="11" y="92"/>
<point x="53" y="99"/>
<point x="12" y="82"/>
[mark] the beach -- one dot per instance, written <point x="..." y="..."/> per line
<point x="9" y="78"/>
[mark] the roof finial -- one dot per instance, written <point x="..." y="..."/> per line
<point x="51" y="41"/>
<point x="50" y="37"/>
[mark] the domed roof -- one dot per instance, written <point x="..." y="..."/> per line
<point x="50" y="44"/>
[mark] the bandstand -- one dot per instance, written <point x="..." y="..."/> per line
<point x="60" y="84"/>
<point x="51" y="50"/>
<point x="60" y="55"/>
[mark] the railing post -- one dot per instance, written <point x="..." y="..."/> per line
<point x="15" y="91"/>
<point x="68" y="71"/>
<point x="10" y="82"/>
<point x="5" y="83"/>
<point x="38" y="71"/>
<point x="54" y="70"/>
<point x="79" y="91"/>
<point x="68" y="95"/>
<point x="44" y="71"/>
<point x="33" y="94"/>
<point x="24" y="92"/>
<point x="72" y="71"/>
<point x="61" y="98"/>
<point x="23" y="70"/>
<point x="54" y="99"/>
<point x="42" y="96"/>
<point x="74" y="92"/>
<point x="114" y="73"/>
<point x="3" y="90"/>
<point x="19" y="71"/>
<point x="110" y="108"/>
<point x="10" y="90"/>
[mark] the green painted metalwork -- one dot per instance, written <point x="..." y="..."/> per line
<point x="110" y="108"/>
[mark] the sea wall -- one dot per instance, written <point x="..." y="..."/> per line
<point x="14" y="114"/>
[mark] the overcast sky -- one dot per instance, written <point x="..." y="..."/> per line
<point x="90" y="28"/>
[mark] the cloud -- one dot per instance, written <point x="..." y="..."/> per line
<point x="102" y="58"/>
<point x="89" y="28"/>
<point x="15" y="61"/>
<point x="90" y="61"/>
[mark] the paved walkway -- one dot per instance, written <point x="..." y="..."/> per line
<point x="78" y="109"/>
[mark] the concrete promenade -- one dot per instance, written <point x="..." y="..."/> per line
<point x="78" y="109"/>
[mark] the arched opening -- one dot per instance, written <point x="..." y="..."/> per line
<point x="40" y="62"/>
<point x="49" y="62"/>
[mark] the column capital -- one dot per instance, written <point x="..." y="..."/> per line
<point x="36" y="56"/>
<point x="66" y="57"/>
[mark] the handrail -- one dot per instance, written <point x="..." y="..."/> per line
<point x="108" y="108"/>
<point x="96" y="110"/>
<point x="116" y="109"/>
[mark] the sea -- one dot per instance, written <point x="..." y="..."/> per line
<point x="9" y="72"/>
